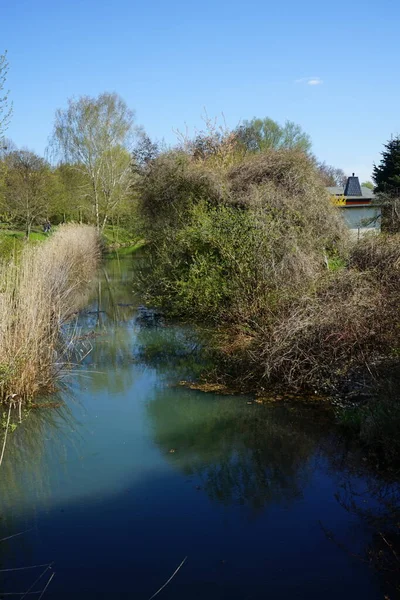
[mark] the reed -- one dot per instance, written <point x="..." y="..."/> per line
<point x="39" y="290"/>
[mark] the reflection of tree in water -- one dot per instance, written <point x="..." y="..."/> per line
<point x="173" y="350"/>
<point x="244" y="453"/>
<point x="25" y="465"/>
<point x="377" y="505"/>
<point x="108" y="323"/>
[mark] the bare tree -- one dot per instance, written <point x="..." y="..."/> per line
<point x="5" y="104"/>
<point x="332" y="176"/>
<point x="94" y="135"/>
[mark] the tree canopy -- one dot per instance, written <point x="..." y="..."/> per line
<point x="95" y="135"/>
<point x="258" y="135"/>
<point x="27" y="183"/>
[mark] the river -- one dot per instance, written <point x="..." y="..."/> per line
<point x="132" y="473"/>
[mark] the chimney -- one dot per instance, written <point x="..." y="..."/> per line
<point x="353" y="187"/>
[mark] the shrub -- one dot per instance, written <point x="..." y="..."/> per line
<point x="223" y="247"/>
<point x="169" y="187"/>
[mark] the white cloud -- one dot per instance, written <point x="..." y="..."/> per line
<point x="310" y="80"/>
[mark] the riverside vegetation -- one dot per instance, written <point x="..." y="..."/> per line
<point x="40" y="288"/>
<point x="241" y="236"/>
<point x="247" y="241"/>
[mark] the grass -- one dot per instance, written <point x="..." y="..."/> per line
<point x="39" y="289"/>
<point x="115" y="236"/>
<point x="126" y="250"/>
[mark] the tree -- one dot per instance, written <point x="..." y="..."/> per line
<point x="94" y="135"/>
<point x="26" y="187"/>
<point x="5" y="105"/>
<point x="70" y="200"/>
<point x="145" y="151"/>
<point x="264" y="134"/>
<point x="387" y="185"/>
<point x="368" y="184"/>
<point x="331" y="176"/>
<point x="387" y="174"/>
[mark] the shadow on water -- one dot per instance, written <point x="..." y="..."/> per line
<point x="133" y="474"/>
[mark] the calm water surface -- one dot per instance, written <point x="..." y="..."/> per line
<point x="133" y="474"/>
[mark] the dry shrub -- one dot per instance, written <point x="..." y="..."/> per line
<point x="378" y="253"/>
<point x="169" y="188"/>
<point x="287" y="184"/>
<point x="291" y="170"/>
<point x="350" y="323"/>
<point x="318" y="340"/>
<point x="37" y="296"/>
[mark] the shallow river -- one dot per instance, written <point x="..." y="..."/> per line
<point x="134" y="473"/>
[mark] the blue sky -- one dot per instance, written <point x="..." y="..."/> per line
<point x="170" y="60"/>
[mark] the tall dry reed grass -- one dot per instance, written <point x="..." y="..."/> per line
<point x="38" y="293"/>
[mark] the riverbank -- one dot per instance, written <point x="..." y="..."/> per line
<point x="41" y="287"/>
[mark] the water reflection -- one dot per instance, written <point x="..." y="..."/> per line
<point x="133" y="472"/>
<point x="26" y="468"/>
<point x="244" y="453"/>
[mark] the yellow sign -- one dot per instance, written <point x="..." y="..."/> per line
<point x="338" y="200"/>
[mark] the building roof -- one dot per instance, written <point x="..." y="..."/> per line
<point x="337" y="190"/>
<point x="352" y="187"/>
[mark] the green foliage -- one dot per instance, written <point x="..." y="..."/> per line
<point x="368" y="184"/>
<point x="335" y="263"/>
<point x="169" y="188"/>
<point x="94" y="135"/>
<point x="27" y="181"/>
<point x="230" y="244"/>
<point x="259" y="135"/>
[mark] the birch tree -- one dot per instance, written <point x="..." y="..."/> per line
<point x="94" y="135"/>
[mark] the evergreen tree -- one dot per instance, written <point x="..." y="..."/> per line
<point x="387" y="185"/>
<point x="387" y="174"/>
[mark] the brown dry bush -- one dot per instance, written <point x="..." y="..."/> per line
<point x="170" y="186"/>
<point x="350" y="323"/>
<point x="38" y="294"/>
<point x="378" y="253"/>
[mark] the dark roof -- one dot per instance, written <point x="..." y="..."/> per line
<point x="353" y="187"/>
<point x="337" y="190"/>
<point x="367" y="192"/>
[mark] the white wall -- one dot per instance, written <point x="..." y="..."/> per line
<point x="358" y="218"/>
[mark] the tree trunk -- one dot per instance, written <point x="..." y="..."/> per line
<point x="104" y="223"/>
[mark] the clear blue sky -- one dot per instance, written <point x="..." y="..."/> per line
<point x="168" y="60"/>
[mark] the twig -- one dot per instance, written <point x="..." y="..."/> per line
<point x="5" y="435"/>
<point x="167" y="582"/>
<point x="36" y="580"/>
<point x="47" y="585"/>
<point x="15" y="535"/>
<point x="19" y="593"/>
<point x="25" y="568"/>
